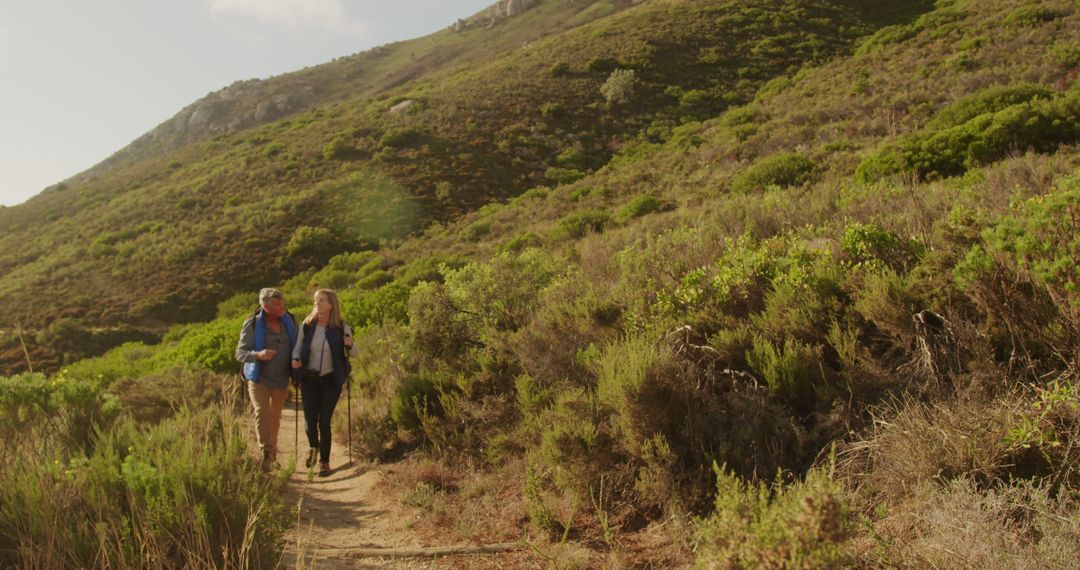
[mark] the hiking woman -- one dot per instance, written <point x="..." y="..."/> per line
<point x="323" y="346"/>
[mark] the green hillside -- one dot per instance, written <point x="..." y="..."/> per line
<point x="185" y="229"/>
<point x="800" y="292"/>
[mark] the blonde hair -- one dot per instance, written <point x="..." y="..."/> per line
<point x="334" y="318"/>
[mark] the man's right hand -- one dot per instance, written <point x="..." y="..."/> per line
<point x="265" y="354"/>
<point x="296" y="363"/>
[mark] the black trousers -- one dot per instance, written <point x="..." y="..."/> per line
<point x="320" y="399"/>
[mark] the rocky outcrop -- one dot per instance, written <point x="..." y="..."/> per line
<point x="273" y="108"/>
<point x="504" y="9"/>
<point x="515" y="7"/>
<point x="238" y="106"/>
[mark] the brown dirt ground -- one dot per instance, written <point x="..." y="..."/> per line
<point x="358" y="507"/>
<point x="350" y="510"/>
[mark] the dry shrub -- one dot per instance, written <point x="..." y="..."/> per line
<point x="961" y="525"/>
<point x="428" y="472"/>
<point x="914" y="442"/>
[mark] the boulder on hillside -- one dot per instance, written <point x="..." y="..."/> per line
<point x="402" y="106"/>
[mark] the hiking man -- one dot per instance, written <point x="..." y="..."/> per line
<point x="266" y="342"/>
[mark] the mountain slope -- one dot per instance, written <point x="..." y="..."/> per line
<point x="250" y="103"/>
<point x="184" y="229"/>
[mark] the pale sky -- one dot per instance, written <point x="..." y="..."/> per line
<point x="83" y="78"/>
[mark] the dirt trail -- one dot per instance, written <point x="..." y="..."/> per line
<point x="339" y="513"/>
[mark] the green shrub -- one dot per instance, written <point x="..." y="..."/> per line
<point x="309" y="245"/>
<point x="627" y="384"/>
<point x="639" y="206"/>
<point x="579" y="223"/>
<point x="560" y="175"/>
<point x="885" y="162"/>
<point x="332" y="278"/>
<point x="574" y="445"/>
<point x="600" y="65"/>
<point x="792" y="371"/>
<point x="437" y="328"/>
<point x="503" y="292"/>
<point x="805" y="525"/>
<point x="522" y="241"/>
<point x="387" y="304"/>
<point x="211" y="346"/>
<point x="872" y="246"/>
<point x="785" y="169"/>
<point x="403" y="137"/>
<point x="273" y="149"/>
<point x="339" y="148"/>
<point x="415" y="397"/>
<point x="1040" y="124"/>
<point x="989" y="100"/>
<point x="1030" y="16"/>
<point x="1043" y="239"/>
<point x="65" y="411"/>
<point x="476" y="230"/>
<point x="573" y="157"/>
<point x="374" y="280"/>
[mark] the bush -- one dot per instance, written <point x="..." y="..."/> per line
<point x="792" y="371"/>
<point x="339" y="148"/>
<point x="619" y="87"/>
<point x="871" y="246"/>
<point x="503" y="292"/>
<point x="639" y="206"/>
<point x="560" y="69"/>
<point x="579" y="223"/>
<point x="560" y="175"/>
<point x="522" y="241"/>
<point x="59" y="410"/>
<point x="404" y="137"/>
<point x="415" y="397"/>
<point x="600" y="65"/>
<point x="310" y="245"/>
<point x="386" y="304"/>
<point x="552" y="110"/>
<point x="374" y="280"/>
<point x="989" y="100"/>
<point x="1040" y="124"/>
<point x="785" y="169"/>
<point x="805" y="525"/>
<point x="211" y="346"/>
<point x="573" y="157"/>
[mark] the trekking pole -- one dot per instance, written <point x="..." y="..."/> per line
<point x="296" y="422"/>
<point x="296" y="414"/>
<point x="348" y="397"/>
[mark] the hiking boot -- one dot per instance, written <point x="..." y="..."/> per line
<point x="312" y="457"/>
<point x="324" y="468"/>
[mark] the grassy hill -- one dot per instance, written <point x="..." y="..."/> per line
<point x="807" y="299"/>
<point x="184" y="229"/>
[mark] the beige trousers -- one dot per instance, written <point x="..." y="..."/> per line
<point x="267" y="403"/>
